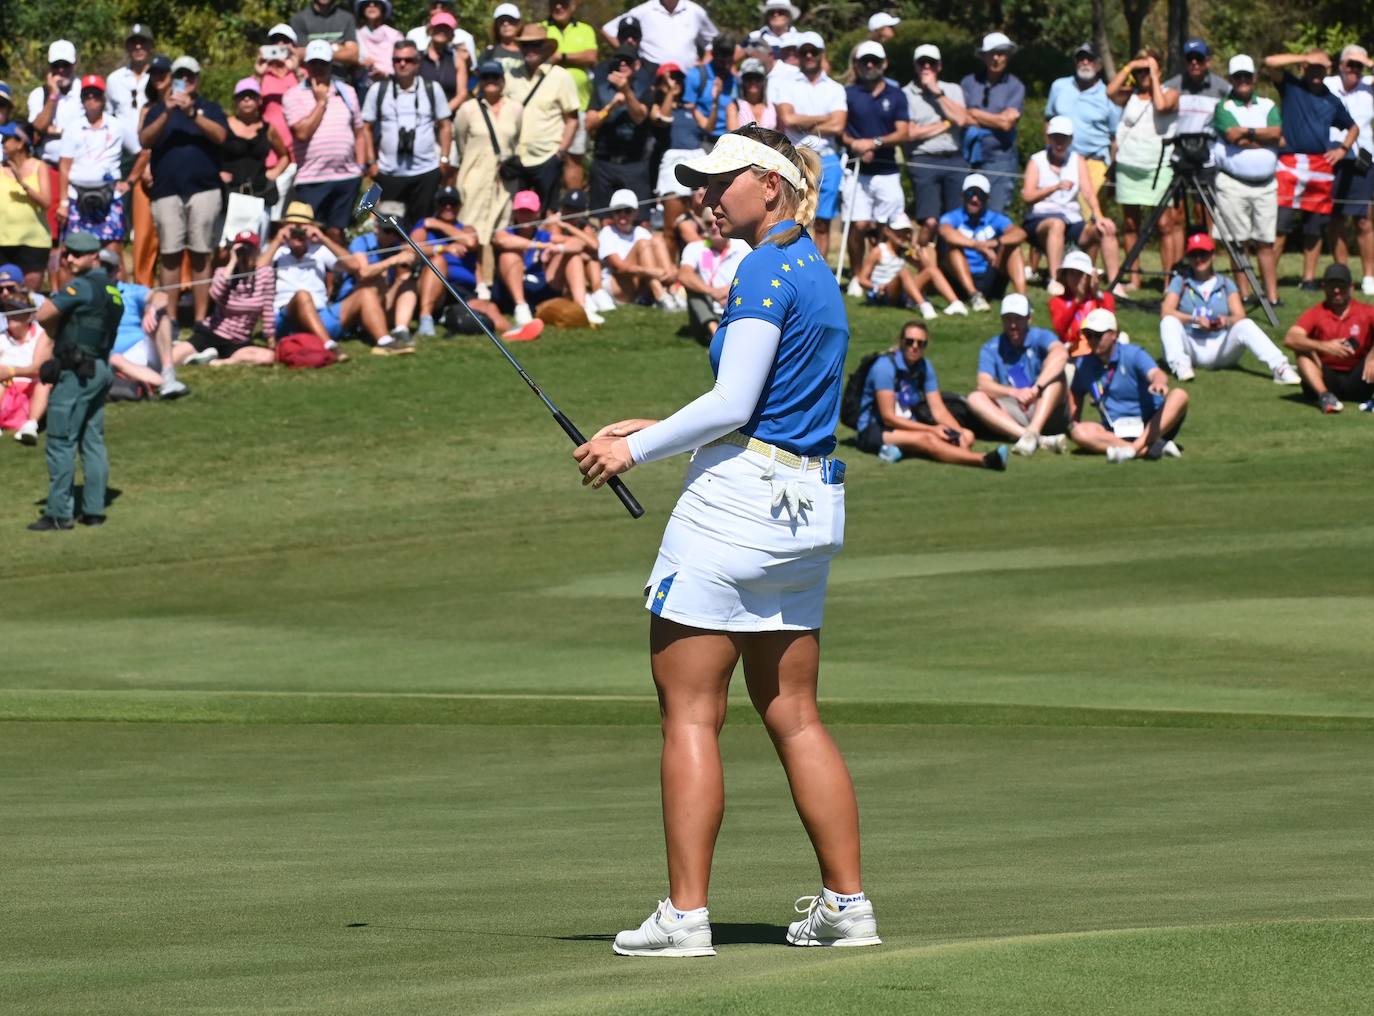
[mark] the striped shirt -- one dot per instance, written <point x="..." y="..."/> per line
<point x="328" y="154"/>
<point x="237" y="309"/>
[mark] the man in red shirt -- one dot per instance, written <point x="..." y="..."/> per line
<point x="1332" y="341"/>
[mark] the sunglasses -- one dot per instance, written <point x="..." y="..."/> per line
<point x="869" y="60"/>
<point x="974" y="195"/>
<point x="1242" y="76"/>
<point x="61" y="67"/>
<point x="92" y="93"/>
<point x="926" y="61"/>
<point x="70" y="254"/>
<point x="915" y="343"/>
<point x="809" y="51"/>
<point x="140" y="43"/>
<point x="1199" y="255"/>
<point x="399" y="60"/>
<point x="1091" y="336"/>
<point x="1194" y="58"/>
<point x="1350" y="65"/>
<point x="184" y="76"/>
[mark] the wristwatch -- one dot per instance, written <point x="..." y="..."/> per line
<point x="1250" y="133"/>
<point x="444" y="160"/>
<point x="877" y="142"/>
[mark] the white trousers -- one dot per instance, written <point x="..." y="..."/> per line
<point x="1216" y="350"/>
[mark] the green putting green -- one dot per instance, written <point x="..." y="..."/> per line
<point x="346" y="710"/>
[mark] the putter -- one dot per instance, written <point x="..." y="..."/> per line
<point x="368" y="205"/>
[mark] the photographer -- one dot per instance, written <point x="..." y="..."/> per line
<point x="618" y="121"/>
<point x="548" y="94"/>
<point x="242" y="293"/>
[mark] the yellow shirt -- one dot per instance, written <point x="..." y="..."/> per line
<point x="576" y="38"/>
<point x="541" y="128"/>
<point x="22" y="223"/>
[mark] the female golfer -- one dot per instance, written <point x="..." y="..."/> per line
<point x="744" y="561"/>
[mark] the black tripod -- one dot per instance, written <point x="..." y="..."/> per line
<point x="1190" y="179"/>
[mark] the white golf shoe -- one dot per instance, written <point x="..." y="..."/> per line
<point x="1057" y="443"/>
<point x="847" y="924"/>
<point x="1284" y="374"/>
<point x="1027" y="444"/>
<point x="668" y="932"/>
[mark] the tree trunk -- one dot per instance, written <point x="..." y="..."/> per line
<point x="1177" y="35"/>
<point x="1135" y="13"/>
<point x="1100" y="39"/>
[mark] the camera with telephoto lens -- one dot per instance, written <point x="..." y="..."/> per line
<point x="1192" y="152"/>
<point x="405" y="142"/>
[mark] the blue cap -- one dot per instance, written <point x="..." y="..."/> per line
<point x="12" y="273"/>
<point x="13" y="130"/>
<point x="7" y="92"/>
<point x="491" y="67"/>
<point x="1196" y="45"/>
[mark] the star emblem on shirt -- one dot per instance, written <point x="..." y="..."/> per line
<point x="775" y="283"/>
<point x="735" y="282"/>
<point x="739" y="300"/>
<point x="768" y="301"/>
<point x="786" y="267"/>
<point x="801" y="263"/>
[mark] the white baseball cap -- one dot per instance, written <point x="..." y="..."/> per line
<point x="900" y="221"/>
<point x="186" y="63"/>
<point x="808" y="39"/>
<point x="1016" y="303"/>
<point x="791" y="39"/>
<point x="319" y="49"/>
<point x="1241" y="64"/>
<point x="623" y="198"/>
<point x="994" y="41"/>
<point x="869" y="48"/>
<point x="1099" y="320"/>
<point x="1077" y="261"/>
<point x="62" y="51"/>
<point x="926" y="50"/>
<point x="282" y="29"/>
<point x="780" y="5"/>
<point x="1357" y="53"/>
<point x="976" y="181"/>
<point x="1059" y="125"/>
<point x="883" y="20"/>
<point x="507" y="11"/>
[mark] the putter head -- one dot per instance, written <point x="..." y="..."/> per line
<point x="368" y="201"/>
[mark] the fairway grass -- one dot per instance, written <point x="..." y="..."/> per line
<point x="347" y="710"/>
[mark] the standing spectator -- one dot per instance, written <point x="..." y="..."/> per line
<point x="707" y="268"/>
<point x="877" y="125"/>
<point x="548" y="124"/>
<point x="1196" y="90"/>
<point x="535" y="265"/>
<point x="1143" y="174"/>
<point x="1057" y="181"/>
<point x="672" y="30"/>
<point x="408" y="135"/>
<point x="247" y="158"/>
<point x="994" y="98"/>
<point x="631" y="34"/>
<point x="91" y="187"/>
<point x="576" y="54"/>
<point x="124" y="85"/>
<point x="331" y="23"/>
<point x="1079" y="297"/>
<point x="505" y="49"/>
<point x="330" y="142"/>
<point x="142" y="348"/>
<point x="1249" y="132"/>
<point x="6" y="103"/>
<point x="933" y="158"/>
<point x="444" y="62"/>
<point x="54" y="106"/>
<point x="25" y="193"/>
<point x="713" y="87"/>
<point x="1202" y="322"/>
<point x="1308" y="158"/>
<point x="882" y="27"/>
<point x="634" y="262"/>
<point x="242" y="295"/>
<point x="778" y="18"/>
<point x="679" y="134"/>
<point x="779" y="71"/>
<point x="813" y="110"/>
<point x="1020" y="390"/>
<point x="185" y="133"/>
<point x="752" y="106"/>
<point x="1084" y="100"/>
<point x="1354" y="175"/>
<point x="376" y="41"/>
<point x="461" y="39"/>
<point x="983" y="248"/>
<point x="155" y="88"/>
<point x="486" y="130"/>
<point x="618" y="120"/>
<point x="276" y="72"/>
<point x="1334" y="343"/>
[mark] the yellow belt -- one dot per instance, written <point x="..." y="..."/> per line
<point x="767" y="450"/>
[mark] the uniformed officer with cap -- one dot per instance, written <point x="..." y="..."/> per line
<point x="81" y="320"/>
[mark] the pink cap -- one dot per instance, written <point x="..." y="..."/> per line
<point x="443" y="18"/>
<point x="247" y="85"/>
<point x="525" y="201"/>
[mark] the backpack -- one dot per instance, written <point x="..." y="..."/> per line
<point x="852" y="401"/>
<point x="302" y="349"/>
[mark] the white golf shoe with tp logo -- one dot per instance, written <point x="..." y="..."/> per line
<point x="669" y="932"/>
<point x="846" y="923"/>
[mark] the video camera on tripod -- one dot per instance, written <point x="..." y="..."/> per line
<point x="1192" y="153"/>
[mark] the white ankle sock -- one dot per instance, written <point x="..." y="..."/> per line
<point x="684" y="913"/>
<point x="836" y="900"/>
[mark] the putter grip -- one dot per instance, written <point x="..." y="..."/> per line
<point x="616" y="484"/>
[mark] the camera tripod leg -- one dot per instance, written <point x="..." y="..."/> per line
<point x="1147" y="231"/>
<point x="1239" y="259"/>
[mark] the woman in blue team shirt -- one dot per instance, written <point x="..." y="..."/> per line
<point x="745" y="557"/>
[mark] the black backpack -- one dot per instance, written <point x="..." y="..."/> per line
<point x="852" y="401"/>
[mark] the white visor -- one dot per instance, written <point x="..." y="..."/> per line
<point x="735" y="152"/>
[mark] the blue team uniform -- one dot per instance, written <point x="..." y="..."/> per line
<point x="1017" y="368"/>
<point x="910" y="386"/>
<point x="131" y="331"/>
<point x="1119" y="388"/>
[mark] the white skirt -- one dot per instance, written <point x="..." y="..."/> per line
<point x="748" y="546"/>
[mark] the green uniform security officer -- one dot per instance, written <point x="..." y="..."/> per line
<point x="82" y="318"/>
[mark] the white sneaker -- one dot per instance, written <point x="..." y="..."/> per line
<point x="927" y="310"/>
<point x="1120" y="453"/>
<point x="1055" y="288"/>
<point x="957" y="309"/>
<point x="171" y="388"/>
<point x="1172" y="450"/>
<point x="482" y="290"/>
<point x="680" y="299"/>
<point x="979" y="303"/>
<point x="28" y="433"/>
<point x="855" y="290"/>
<point x="522" y="315"/>
<point x="666" y="302"/>
<point x="605" y="302"/>
<point x="1027" y="444"/>
<point x="204" y="356"/>
<point x="1284" y="374"/>
<point x="1367" y="285"/>
<point x="851" y="925"/>
<point x="1057" y="443"/>
<point x="1184" y="371"/>
<point x="589" y="307"/>
<point x="668" y="932"/>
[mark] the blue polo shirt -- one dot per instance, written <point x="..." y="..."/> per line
<point x="875" y="116"/>
<point x="909" y="385"/>
<point x="1214" y="303"/>
<point x="697" y="92"/>
<point x="792" y="287"/>
<point x="1094" y="115"/>
<point x="1120" y="387"/>
<point x="989" y="226"/>
<point x="1008" y="93"/>
<point x="1307" y="118"/>
<point x="363" y="243"/>
<point x="1008" y="365"/>
<point x="131" y="332"/>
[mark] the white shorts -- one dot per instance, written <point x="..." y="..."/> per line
<point x="143" y="353"/>
<point x="668" y="185"/>
<point x="877" y="198"/>
<point x="733" y="561"/>
<point x="578" y="148"/>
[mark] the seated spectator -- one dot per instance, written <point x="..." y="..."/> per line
<point x="25" y="193"/>
<point x="24" y="399"/>
<point x="894" y="273"/>
<point x="90" y="186"/>
<point x="1334" y="343"/>
<point x="706" y="272"/>
<point x="1202" y="322"/>
<point x="634" y="262"/>
<point x="506" y="21"/>
<point x="243" y="297"/>
<point x="306" y="259"/>
<point x="254" y="155"/>
<point x="1079" y="297"/>
<point x="443" y="234"/>
<point x="143" y="345"/>
<point x="904" y="414"/>
<point x="1057" y="179"/>
<point x="618" y="123"/>
<point x="680" y="136"/>
<point x="982" y="248"/>
<point x="389" y="263"/>
<point x="1140" y="414"/>
<point x="330" y="141"/>
<point x="1020" y="390"/>
<point x="752" y="106"/>
<point x="376" y="40"/>
<point x="486" y="131"/>
<point x="534" y="265"/>
<point x="570" y="222"/>
<point x="409" y="134"/>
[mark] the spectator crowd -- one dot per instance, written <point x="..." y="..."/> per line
<point x="533" y="157"/>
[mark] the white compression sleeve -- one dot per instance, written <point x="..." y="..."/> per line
<point x="746" y="359"/>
